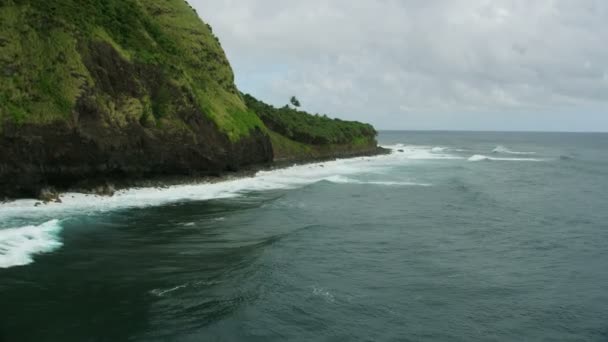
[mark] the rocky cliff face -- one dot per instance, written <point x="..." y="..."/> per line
<point x="138" y="88"/>
<point x="62" y="155"/>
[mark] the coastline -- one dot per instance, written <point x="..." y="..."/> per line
<point x="107" y="186"/>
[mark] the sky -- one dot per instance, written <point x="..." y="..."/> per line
<point x="537" y="65"/>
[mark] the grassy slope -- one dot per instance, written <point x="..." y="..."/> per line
<point x="43" y="44"/>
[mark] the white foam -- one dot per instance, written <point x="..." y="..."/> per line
<point x="347" y="180"/>
<point x="417" y="152"/>
<point x="502" y="149"/>
<point x="286" y="178"/>
<point x="19" y="245"/>
<point x="162" y="292"/>
<point x="479" y="157"/>
<point x="323" y="293"/>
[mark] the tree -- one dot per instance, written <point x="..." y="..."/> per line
<point x="295" y="102"/>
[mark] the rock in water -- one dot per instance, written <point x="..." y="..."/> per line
<point x="47" y="195"/>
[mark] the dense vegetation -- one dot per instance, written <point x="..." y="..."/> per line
<point x="172" y="61"/>
<point x="310" y="129"/>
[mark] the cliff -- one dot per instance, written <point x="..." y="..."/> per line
<point x="92" y="91"/>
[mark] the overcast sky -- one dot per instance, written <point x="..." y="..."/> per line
<point x="424" y="64"/>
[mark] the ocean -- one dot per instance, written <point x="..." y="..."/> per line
<point x="454" y="236"/>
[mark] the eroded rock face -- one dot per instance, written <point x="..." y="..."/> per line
<point x="93" y="148"/>
<point x="62" y="156"/>
<point x="99" y="92"/>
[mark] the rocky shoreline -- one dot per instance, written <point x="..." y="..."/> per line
<point x="108" y="186"/>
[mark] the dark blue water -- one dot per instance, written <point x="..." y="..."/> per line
<point x="444" y="240"/>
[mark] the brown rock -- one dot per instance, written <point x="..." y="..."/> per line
<point x="48" y="195"/>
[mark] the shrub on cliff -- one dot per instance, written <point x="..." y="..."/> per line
<point x="311" y="129"/>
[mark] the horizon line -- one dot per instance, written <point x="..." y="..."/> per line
<point x="485" y="131"/>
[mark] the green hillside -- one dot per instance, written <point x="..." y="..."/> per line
<point x="98" y="91"/>
<point x="170" y="56"/>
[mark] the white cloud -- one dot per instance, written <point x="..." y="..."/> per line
<point x="374" y="60"/>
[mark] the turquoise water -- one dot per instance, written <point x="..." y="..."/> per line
<point x="453" y="237"/>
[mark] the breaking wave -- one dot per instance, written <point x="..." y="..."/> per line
<point x="479" y="157"/>
<point x="346" y="180"/>
<point x="287" y="178"/>
<point x="416" y="152"/>
<point x="19" y="245"/>
<point x="504" y="150"/>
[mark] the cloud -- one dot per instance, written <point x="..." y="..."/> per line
<point x="466" y="64"/>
